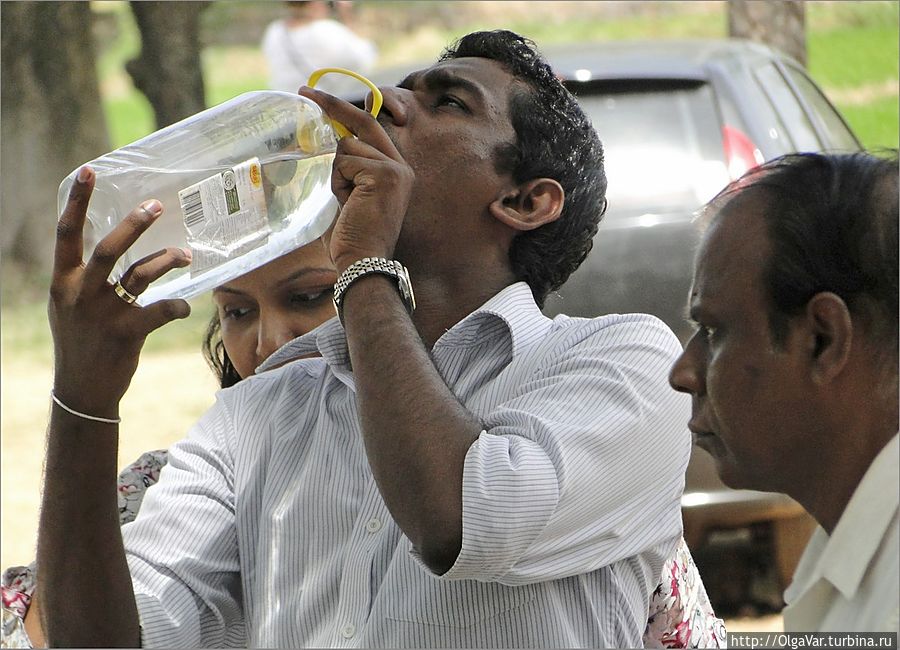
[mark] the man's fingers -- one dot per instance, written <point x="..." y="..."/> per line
<point x="110" y="248"/>
<point x="357" y="147"/>
<point x="351" y="172"/>
<point x="358" y="122"/>
<point x="149" y="269"/>
<point x="159" y="313"/>
<point x="70" y="227"/>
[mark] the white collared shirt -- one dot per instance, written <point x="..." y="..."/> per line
<point x="267" y="528"/>
<point x="850" y="582"/>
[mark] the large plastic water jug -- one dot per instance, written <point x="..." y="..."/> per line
<point x="241" y="183"/>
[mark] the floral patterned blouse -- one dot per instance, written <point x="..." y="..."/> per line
<point x="680" y="616"/>
<point x="19" y="581"/>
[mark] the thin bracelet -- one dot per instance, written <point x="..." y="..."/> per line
<point x="83" y="415"/>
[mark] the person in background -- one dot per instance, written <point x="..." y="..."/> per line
<point x="309" y="38"/>
<point x="793" y="369"/>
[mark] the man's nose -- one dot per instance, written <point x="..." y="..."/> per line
<point x="395" y="106"/>
<point x="687" y="374"/>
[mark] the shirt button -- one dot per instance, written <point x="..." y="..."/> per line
<point x="348" y="631"/>
<point x="373" y="525"/>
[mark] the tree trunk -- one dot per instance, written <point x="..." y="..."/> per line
<point x="52" y="122"/>
<point x="168" y="68"/>
<point x="779" y="23"/>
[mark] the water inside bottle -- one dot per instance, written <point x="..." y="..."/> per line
<point x="295" y="206"/>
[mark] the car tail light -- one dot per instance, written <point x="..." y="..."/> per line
<point x="741" y="155"/>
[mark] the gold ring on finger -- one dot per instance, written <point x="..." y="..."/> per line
<point x="124" y="293"/>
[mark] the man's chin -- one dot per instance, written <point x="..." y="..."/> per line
<point x="734" y="476"/>
<point x="711" y="444"/>
<point x="728" y="473"/>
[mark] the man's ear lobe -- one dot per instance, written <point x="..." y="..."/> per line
<point x="530" y="205"/>
<point x="831" y="328"/>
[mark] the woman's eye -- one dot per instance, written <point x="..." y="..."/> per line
<point x="235" y="313"/>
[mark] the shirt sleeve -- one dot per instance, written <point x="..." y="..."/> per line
<point x="283" y="72"/>
<point x="182" y="550"/>
<point x="583" y="466"/>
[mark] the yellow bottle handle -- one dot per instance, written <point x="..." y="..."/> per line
<point x="377" y="99"/>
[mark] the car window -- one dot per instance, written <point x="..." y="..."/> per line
<point x="662" y="142"/>
<point x="760" y="112"/>
<point x="838" y="136"/>
<point x="789" y="109"/>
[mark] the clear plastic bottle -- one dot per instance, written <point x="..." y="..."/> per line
<point x="241" y="184"/>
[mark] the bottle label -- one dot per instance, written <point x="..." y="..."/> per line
<point x="225" y="216"/>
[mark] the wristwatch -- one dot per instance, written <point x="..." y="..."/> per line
<point x="368" y="265"/>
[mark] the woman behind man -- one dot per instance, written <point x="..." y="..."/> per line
<point x="255" y="315"/>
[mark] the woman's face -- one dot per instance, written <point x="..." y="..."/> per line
<point x="266" y="308"/>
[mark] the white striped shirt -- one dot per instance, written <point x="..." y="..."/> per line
<point x="267" y="529"/>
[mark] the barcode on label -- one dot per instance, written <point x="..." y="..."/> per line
<point x="192" y="207"/>
<point x="224" y="216"/>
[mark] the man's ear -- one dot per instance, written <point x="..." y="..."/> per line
<point x="831" y="335"/>
<point x="530" y="205"/>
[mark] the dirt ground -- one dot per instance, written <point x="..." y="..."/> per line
<point x="168" y="393"/>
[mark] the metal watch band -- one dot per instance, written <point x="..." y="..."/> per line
<point x="368" y="265"/>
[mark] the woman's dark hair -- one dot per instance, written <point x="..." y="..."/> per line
<point x="832" y="225"/>
<point x="555" y="139"/>
<point x="216" y="356"/>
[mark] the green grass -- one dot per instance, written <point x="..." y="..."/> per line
<point x="858" y="68"/>
<point x="118" y="38"/>
<point x="128" y="118"/>
<point x="231" y="71"/>
<point x="822" y="16"/>
<point x="848" y="58"/>
<point x="855" y="45"/>
<point x="24" y="330"/>
<point x="854" y="54"/>
<point x="876" y="123"/>
<point x="661" y="25"/>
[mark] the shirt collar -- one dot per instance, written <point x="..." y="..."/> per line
<point x="513" y="307"/>
<point x="847" y="553"/>
<point x="302" y="346"/>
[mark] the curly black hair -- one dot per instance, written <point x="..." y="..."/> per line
<point x="216" y="356"/>
<point x="555" y="139"/>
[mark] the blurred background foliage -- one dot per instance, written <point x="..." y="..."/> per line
<point x="852" y="52"/>
<point x="852" y="46"/>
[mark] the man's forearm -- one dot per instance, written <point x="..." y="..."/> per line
<point x="84" y="585"/>
<point x="415" y="430"/>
